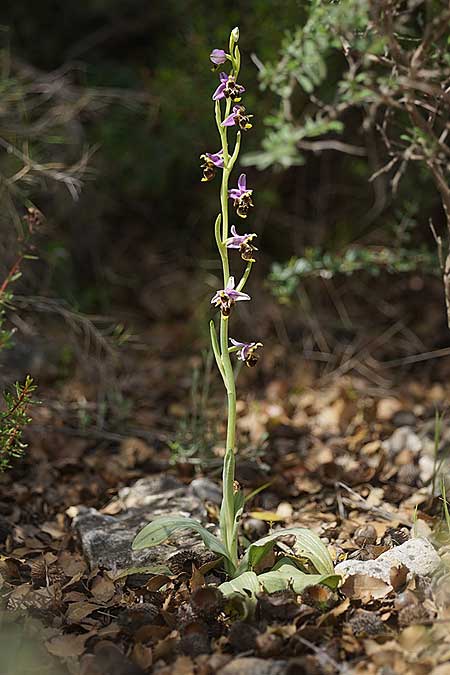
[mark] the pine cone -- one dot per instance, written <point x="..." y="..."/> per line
<point x="181" y="562"/>
<point x="366" y="624"/>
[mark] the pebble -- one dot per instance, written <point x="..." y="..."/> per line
<point x="404" y="418"/>
<point x="403" y="438"/>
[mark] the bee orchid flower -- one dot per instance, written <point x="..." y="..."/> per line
<point x="239" y="118"/>
<point x="242" y="197"/>
<point x="246" y="351"/>
<point x="209" y="164"/>
<point x="242" y="242"/>
<point x="228" y="88"/>
<point x="227" y="297"/>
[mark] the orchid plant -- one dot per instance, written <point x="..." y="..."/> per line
<point x="306" y="553"/>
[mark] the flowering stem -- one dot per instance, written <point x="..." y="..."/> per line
<point x="232" y="499"/>
<point x="227" y="511"/>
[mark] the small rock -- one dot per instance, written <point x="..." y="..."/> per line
<point x="387" y="407"/>
<point x="403" y="438"/>
<point x="404" y="418"/>
<point x="418" y="555"/>
<point x="206" y="490"/>
<point x="285" y="510"/>
<point x="405" y="599"/>
<point x="253" y="666"/>
<point x="427" y="467"/>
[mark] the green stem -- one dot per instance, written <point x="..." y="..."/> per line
<point x="227" y="511"/>
<point x="227" y="508"/>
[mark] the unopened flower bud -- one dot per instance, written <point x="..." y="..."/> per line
<point x="218" y="56"/>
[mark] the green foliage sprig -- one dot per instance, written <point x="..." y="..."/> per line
<point x="388" y="64"/>
<point x="13" y="420"/>
<point x="285" y="277"/>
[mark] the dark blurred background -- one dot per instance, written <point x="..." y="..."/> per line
<point x="126" y="86"/>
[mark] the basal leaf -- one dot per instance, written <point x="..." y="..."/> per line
<point x="307" y="545"/>
<point x="246" y="584"/>
<point x="288" y="576"/>
<point x="240" y="594"/>
<point x="160" y="529"/>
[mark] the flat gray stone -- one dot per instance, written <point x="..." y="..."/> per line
<point x="253" y="666"/>
<point x="106" y="539"/>
<point x="418" y="555"/>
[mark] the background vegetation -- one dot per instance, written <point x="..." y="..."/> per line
<point x="104" y="119"/>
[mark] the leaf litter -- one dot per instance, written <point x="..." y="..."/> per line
<point x="351" y="463"/>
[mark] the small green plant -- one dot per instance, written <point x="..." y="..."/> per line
<point x="195" y="435"/>
<point x="437" y="463"/>
<point x="445" y="504"/>
<point x="13" y="420"/>
<point x="14" y="416"/>
<point x="307" y="560"/>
